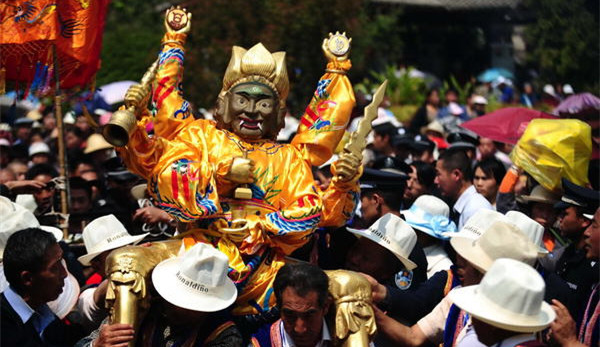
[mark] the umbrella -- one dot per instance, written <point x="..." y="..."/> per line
<point x="492" y="74"/>
<point x="554" y="148"/>
<point x="114" y="92"/>
<point x="11" y="108"/>
<point x="91" y="103"/>
<point x="504" y="125"/>
<point x="584" y="104"/>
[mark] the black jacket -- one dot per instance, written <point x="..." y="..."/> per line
<point x="13" y="332"/>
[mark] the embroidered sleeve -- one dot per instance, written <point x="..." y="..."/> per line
<point x="325" y="119"/>
<point x="173" y="111"/>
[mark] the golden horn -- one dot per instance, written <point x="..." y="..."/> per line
<point x="122" y="122"/>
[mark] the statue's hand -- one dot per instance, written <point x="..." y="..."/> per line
<point x="347" y="166"/>
<point x="137" y="96"/>
<point x="178" y="20"/>
<point x="241" y="171"/>
<point x="336" y="46"/>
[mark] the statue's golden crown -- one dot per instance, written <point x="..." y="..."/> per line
<point x="257" y="65"/>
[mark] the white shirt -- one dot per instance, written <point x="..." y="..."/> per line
<point x="515" y="340"/>
<point x="470" y="339"/>
<point x="468" y="203"/>
<point x="437" y="259"/>
<point x="43" y="316"/>
<point x="286" y="340"/>
<point x="434" y="323"/>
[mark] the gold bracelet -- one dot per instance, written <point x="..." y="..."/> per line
<point x="172" y="41"/>
<point x="342" y="72"/>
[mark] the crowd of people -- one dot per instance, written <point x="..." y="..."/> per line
<point x="459" y="246"/>
<point x="434" y="195"/>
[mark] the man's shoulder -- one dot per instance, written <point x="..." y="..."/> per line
<point x="472" y="199"/>
<point x="8" y="312"/>
<point x="11" y="322"/>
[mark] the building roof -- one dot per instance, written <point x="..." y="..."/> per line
<point x="456" y="5"/>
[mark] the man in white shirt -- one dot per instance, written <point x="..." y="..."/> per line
<point x="454" y="179"/>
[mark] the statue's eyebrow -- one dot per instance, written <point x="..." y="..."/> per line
<point x="257" y="96"/>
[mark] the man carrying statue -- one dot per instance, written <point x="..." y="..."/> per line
<point x="229" y="181"/>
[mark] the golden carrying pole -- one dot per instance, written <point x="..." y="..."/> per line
<point x="64" y="201"/>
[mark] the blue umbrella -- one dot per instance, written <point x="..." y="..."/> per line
<point x="91" y="103"/>
<point x="492" y="74"/>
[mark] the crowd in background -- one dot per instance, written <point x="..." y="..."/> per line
<point x="431" y="172"/>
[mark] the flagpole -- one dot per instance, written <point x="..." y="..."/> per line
<point x="64" y="207"/>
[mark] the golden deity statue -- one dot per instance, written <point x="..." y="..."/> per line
<point x="252" y="198"/>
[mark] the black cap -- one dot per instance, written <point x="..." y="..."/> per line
<point x="402" y="140"/>
<point x="116" y="170"/>
<point x="422" y="143"/>
<point x="382" y="180"/>
<point x="462" y="139"/>
<point x="587" y="200"/>
<point x="386" y="128"/>
<point x="23" y="121"/>
<point x="392" y="164"/>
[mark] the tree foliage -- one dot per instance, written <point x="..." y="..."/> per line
<point x="563" y="42"/>
<point x="131" y="40"/>
<point x="134" y="28"/>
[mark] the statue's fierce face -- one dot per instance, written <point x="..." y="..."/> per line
<point x="251" y="111"/>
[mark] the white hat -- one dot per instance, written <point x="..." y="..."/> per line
<point x="69" y="118"/>
<point x="500" y="240"/>
<point x="139" y="191"/>
<point x="14" y="218"/>
<point x="103" y="234"/>
<point x="394" y="234"/>
<point x="27" y="201"/>
<point x="430" y="215"/>
<point x="38" y="148"/>
<point x="539" y="194"/>
<point x="568" y="89"/>
<point x="510" y="296"/>
<point x="530" y="228"/>
<point x="478" y="99"/>
<point x="4" y="142"/>
<point x="96" y="142"/>
<point x="477" y="224"/>
<point x="68" y="297"/>
<point x="196" y="280"/>
<point x="436" y="126"/>
<point x="34" y="115"/>
<point x="56" y="232"/>
<point x="549" y="89"/>
<point x="455" y="109"/>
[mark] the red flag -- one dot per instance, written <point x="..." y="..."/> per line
<point x="28" y="29"/>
